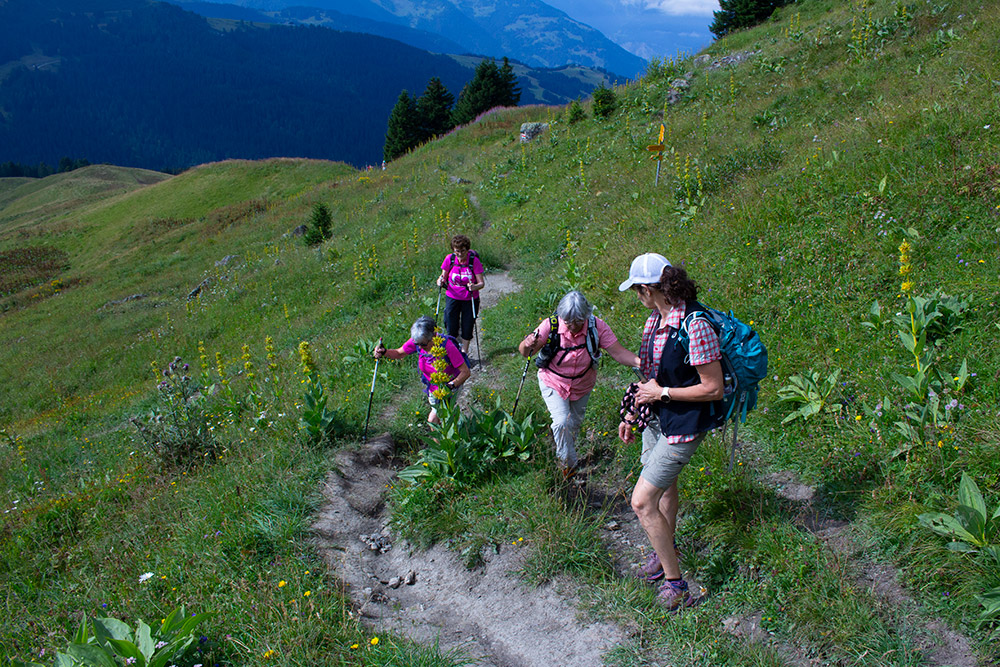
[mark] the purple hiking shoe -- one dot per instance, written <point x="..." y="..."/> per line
<point x="674" y="595"/>
<point x="653" y="569"/>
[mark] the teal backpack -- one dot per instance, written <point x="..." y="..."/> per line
<point x="744" y="364"/>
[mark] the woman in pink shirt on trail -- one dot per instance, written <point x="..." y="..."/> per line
<point x="422" y="337"/>
<point x="571" y="373"/>
<point x="462" y="275"/>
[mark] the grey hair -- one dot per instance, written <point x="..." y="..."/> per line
<point x="423" y="329"/>
<point x="574" y="307"/>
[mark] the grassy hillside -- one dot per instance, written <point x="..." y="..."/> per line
<point x="794" y="171"/>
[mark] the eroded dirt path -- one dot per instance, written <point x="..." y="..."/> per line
<point x="489" y="614"/>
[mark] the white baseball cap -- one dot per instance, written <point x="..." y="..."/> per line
<point x="646" y="270"/>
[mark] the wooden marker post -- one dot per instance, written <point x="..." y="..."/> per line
<point x="657" y="149"/>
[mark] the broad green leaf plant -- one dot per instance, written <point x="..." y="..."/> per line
<point x="811" y="392"/>
<point x="467" y="448"/>
<point x="109" y="642"/>
<point x="931" y="392"/>
<point x="972" y="531"/>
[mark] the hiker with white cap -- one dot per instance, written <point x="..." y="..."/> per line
<point x="569" y="344"/>
<point x="681" y="357"/>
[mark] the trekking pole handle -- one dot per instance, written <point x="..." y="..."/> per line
<point x="375" y="374"/>
<point x="638" y="374"/>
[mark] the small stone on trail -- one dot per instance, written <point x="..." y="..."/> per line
<point x="410" y="578"/>
<point x="612" y="525"/>
<point x="394" y="582"/>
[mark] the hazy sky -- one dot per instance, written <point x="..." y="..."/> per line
<point x="647" y="27"/>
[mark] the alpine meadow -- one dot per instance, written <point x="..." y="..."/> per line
<point x="183" y="377"/>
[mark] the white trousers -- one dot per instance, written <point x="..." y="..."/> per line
<point x="567" y="416"/>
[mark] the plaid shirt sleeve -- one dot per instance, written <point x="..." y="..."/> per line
<point x="703" y="345"/>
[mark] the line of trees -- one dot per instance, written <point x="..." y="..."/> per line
<point x="415" y="120"/>
<point x="41" y="170"/>
<point x="738" y="14"/>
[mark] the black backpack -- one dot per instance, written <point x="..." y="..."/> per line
<point x="552" y="347"/>
<point x="472" y="256"/>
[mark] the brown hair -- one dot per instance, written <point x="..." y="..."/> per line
<point x="460" y="242"/>
<point x="676" y="286"/>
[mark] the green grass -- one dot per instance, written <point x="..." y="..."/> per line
<point x="791" y="229"/>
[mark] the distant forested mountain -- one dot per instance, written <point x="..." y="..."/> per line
<point x="530" y="31"/>
<point x="327" y="18"/>
<point x="147" y="84"/>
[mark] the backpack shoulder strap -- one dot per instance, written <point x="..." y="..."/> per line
<point x="553" y="342"/>
<point x="702" y="313"/>
<point x="593" y="339"/>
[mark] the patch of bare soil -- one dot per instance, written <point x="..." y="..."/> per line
<point x="488" y="614"/>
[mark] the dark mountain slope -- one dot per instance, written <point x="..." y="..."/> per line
<point x="140" y="83"/>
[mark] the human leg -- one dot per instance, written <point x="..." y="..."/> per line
<point x="655" y="502"/>
<point x="658" y="527"/>
<point x="452" y="308"/>
<point x="566" y="419"/>
<point x="467" y="324"/>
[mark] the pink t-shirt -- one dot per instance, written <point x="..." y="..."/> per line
<point x="574" y="362"/>
<point x="461" y="276"/>
<point x="425" y="362"/>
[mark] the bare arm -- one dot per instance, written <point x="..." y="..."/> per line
<point x="623" y="356"/>
<point x="479" y="284"/>
<point x="710" y="387"/>
<point x="381" y="351"/>
<point x="463" y="375"/>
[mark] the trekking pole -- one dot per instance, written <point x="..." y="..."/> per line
<point x="475" y="325"/>
<point x="523" y="375"/>
<point x="371" y="396"/>
<point x="437" y="308"/>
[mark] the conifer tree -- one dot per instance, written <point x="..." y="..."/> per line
<point x="491" y="86"/>
<point x="738" y="14"/>
<point x="320" y="225"/>
<point x="434" y="110"/>
<point x="403" y="130"/>
<point x="509" y="94"/>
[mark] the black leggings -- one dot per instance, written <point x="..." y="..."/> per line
<point x="458" y="315"/>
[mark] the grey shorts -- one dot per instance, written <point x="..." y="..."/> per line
<point x="662" y="462"/>
<point x="455" y="393"/>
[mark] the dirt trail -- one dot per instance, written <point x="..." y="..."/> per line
<point x="488" y="613"/>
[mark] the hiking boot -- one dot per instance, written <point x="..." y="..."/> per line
<point x="674" y="595"/>
<point x="653" y="569"/>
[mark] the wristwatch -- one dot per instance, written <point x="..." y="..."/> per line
<point x="665" y="395"/>
<point x="450" y="386"/>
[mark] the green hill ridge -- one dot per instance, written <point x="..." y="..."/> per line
<point x="800" y="155"/>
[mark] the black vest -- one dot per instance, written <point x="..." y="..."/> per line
<point x="675" y="370"/>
